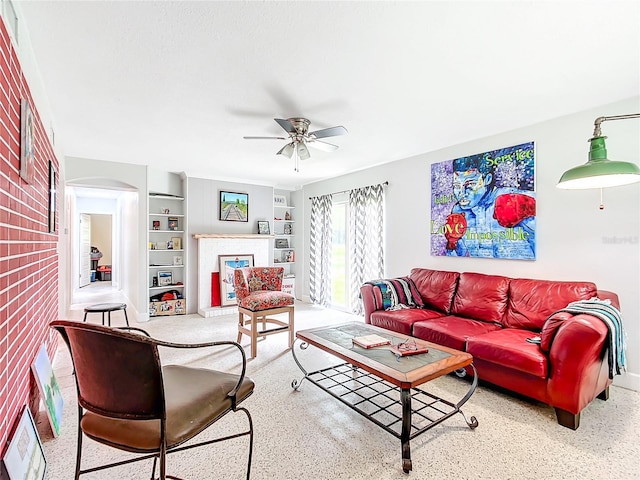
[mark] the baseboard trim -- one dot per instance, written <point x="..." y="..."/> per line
<point x="630" y="381"/>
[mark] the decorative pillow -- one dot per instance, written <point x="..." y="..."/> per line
<point x="397" y="293"/>
<point x="550" y="328"/>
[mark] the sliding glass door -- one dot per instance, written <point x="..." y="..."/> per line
<point x="339" y="254"/>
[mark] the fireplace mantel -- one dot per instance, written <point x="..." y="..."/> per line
<point x="231" y="235"/>
<point x="210" y="247"/>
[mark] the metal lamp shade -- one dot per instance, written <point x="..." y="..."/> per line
<point x="599" y="172"/>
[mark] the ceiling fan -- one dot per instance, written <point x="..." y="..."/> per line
<point x="300" y="137"/>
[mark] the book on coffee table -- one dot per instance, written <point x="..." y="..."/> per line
<point x="405" y="349"/>
<point x="370" y="341"/>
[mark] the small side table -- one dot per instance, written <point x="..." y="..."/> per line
<point x="106" y="308"/>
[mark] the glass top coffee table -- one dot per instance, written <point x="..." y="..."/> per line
<point x="379" y="385"/>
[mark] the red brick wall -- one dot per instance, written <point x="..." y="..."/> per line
<point x="28" y="257"/>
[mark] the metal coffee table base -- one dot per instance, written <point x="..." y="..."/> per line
<point x="403" y="412"/>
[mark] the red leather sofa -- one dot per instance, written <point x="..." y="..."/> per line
<point x="492" y="316"/>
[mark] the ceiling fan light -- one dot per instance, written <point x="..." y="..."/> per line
<point x="303" y="151"/>
<point x="599" y="172"/>
<point x="287" y="150"/>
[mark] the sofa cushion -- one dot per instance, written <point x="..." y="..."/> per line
<point x="531" y="302"/>
<point x="265" y="300"/>
<point x="481" y="297"/>
<point x="451" y="331"/>
<point x="395" y="293"/>
<point x="401" y="320"/>
<point x="509" y="347"/>
<point x="436" y="287"/>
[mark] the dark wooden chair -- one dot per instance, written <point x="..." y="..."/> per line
<point x="129" y="401"/>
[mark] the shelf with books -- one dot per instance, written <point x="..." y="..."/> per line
<point x="167" y="249"/>
<point x="284" y="254"/>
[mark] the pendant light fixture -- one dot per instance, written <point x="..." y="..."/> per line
<point x="599" y="171"/>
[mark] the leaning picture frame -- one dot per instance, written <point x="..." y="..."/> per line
<point x="228" y="264"/>
<point x="234" y="206"/>
<point x="279" y="201"/>
<point x="24" y="458"/>
<point x="165" y="279"/>
<point x="263" y="227"/>
<point x="49" y="389"/>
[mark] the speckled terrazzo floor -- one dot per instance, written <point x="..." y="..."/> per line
<point x="307" y="434"/>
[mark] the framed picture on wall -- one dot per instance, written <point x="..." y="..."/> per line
<point x="27" y="142"/>
<point x="228" y="264"/>
<point x="53" y="177"/>
<point x="24" y="458"/>
<point x="234" y="207"/>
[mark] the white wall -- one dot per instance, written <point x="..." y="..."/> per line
<point x="203" y="216"/>
<point x="575" y="240"/>
<point x="131" y="215"/>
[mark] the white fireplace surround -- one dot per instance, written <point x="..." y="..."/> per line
<point x="210" y="245"/>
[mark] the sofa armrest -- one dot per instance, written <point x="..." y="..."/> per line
<point x="368" y="293"/>
<point x="578" y="363"/>
<point x="607" y="295"/>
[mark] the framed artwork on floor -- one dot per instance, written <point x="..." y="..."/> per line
<point x="234" y="207"/>
<point x="24" y="458"/>
<point x="49" y="389"/>
<point x="228" y="264"/>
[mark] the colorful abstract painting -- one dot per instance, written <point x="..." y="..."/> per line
<point x="484" y="205"/>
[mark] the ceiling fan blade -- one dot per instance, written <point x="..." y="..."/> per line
<point x="286" y="125"/>
<point x="329" y="132"/>
<point x="287" y="150"/>
<point x="264" y="138"/>
<point x="324" y="146"/>
<point x="303" y="151"/>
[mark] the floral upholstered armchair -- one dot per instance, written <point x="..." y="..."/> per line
<point x="259" y="294"/>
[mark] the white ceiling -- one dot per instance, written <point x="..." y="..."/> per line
<point x="178" y="84"/>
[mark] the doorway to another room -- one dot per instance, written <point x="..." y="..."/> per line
<point x="96" y="246"/>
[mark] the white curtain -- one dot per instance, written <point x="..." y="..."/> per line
<point x="320" y="251"/>
<point x="366" y="235"/>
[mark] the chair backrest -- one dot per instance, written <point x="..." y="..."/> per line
<point x="252" y="279"/>
<point x="118" y="374"/>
